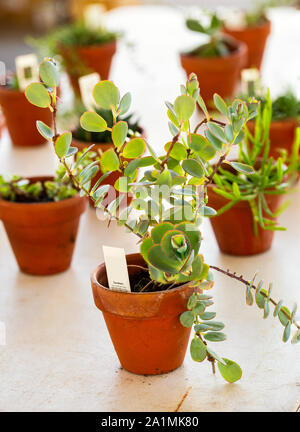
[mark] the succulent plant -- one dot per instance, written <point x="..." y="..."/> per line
<point x="170" y="199"/>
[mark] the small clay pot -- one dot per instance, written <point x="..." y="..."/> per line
<point x="42" y="235"/>
<point x="144" y="327"/>
<point x="234" y="228"/>
<point x="2" y="124"/>
<point x="96" y="58"/>
<point x="282" y="135"/>
<point x="21" y="117"/>
<point x="255" y="38"/>
<point x="219" y="75"/>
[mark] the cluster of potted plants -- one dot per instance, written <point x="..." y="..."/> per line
<point x="169" y="278"/>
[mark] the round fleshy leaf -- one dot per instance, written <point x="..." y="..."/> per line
<point x="178" y="151"/>
<point x="198" y="350"/>
<point x="119" y="133"/>
<point x="125" y="104"/>
<point x="174" y="244"/>
<point x="231" y="372"/>
<point x="44" y="130"/>
<point x="160" y="261"/>
<point x="243" y="168"/>
<point x="215" y="336"/>
<point x="109" y="161"/>
<point x="62" y="144"/>
<point x="159" y="231"/>
<point x="201" y="146"/>
<point x="187" y="319"/>
<point x="134" y="148"/>
<point x="193" y="167"/>
<point x="106" y="95"/>
<point x="145" y="246"/>
<point x="220" y="105"/>
<point x="184" y="107"/>
<point x="92" y="122"/>
<point x="49" y="73"/>
<point x="37" y="94"/>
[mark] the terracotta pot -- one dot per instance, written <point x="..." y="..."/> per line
<point x="217" y="74"/>
<point x="282" y="135"/>
<point x="42" y="235"/>
<point x="2" y="124"/>
<point x="96" y="58"/>
<point x="234" y="228"/>
<point x="255" y="38"/>
<point x="21" y="117"/>
<point x="144" y="327"/>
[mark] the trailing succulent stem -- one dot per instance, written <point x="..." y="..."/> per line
<point x="170" y="199"/>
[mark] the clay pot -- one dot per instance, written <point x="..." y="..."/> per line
<point x="255" y="38"/>
<point x="21" y="117"/>
<point x="282" y="135"/>
<point x="217" y="74"/>
<point x="234" y="228"/>
<point x="144" y="327"/>
<point x="42" y="235"/>
<point x="2" y="124"/>
<point x="96" y="58"/>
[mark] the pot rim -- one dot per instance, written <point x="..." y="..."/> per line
<point x="94" y="280"/>
<point x="57" y="204"/>
<point x="265" y="23"/>
<point x="240" y="51"/>
<point x="104" y="44"/>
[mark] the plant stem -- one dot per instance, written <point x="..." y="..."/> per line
<point x="247" y="283"/>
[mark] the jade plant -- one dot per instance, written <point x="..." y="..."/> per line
<point x="19" y="189"/>
<point x="169" y="199"/>
<point x="267" y="176"/>
<point x="218" y="43"/>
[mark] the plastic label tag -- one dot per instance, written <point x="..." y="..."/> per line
<point x="86" y="85"/>
<point x="26" y="70"/>
<point x="116" y="269"/>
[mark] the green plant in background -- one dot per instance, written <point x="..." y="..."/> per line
<point x="20" y="189"/>
<point x="99" y="137"/>
<point x="218" y="44"/>
<point x="268" y="176"/>
<point x="170" y="199"/>
<point x="286" y="106"/>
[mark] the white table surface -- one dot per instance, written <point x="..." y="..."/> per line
<point x="58" y="355"/>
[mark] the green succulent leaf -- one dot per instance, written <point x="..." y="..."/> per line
<point x="215" y="336"/>
<point x="198" y="350"/>
<point x="160" y="261"/>
<point x="201" y="146"/>
<point x="184" y="107"/>
<point x="134" y="148"/>
<point x="160" y="230"/>
<point x="231" y="372"/>
<point x="93" y="122"/>
<point x="49" y="73"/>
<point x="296" y="337"/>
<point x="178" y="151"/>
<point x="217" y="131"/>
<point x="44" y="130"/>
<point x="287" y="332"/>
<point x="220" y="105"/>
<point x="106" y="95"/>
<point x="62" y="144"/>
<point x="37" y="94"/>
<point x="109" y="161"/>
<point x="243" y="168"/>
<point x="206" y="316"/>
<point x="119" y="133"/>
<point x="282" y="317"/>
<point x="187" y="319"/>
<point x="193" y="167"/>
<point x="125" y="104"/>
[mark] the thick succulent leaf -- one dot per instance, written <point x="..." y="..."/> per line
<point x="109" y="161"/>
<point x="134" y="148"/>
<point x="215" y="336"/>
<point x="198" y="350"/>
<point x="159" y="230"/>
<point x="37" y="94"/>
<point x="49" y="73"/>
<point x="62" y="144"/>
<point x="178" y="151"/>
<point x="119" y="133"/>
<point x="125" y="103"/>
<point x="220" y="105"/>
<point x="187" y="319"/>
<point x="243" y="168"/>
<point x="231" y="372"/>
<point x="44" y="130"/>
<point x="145" y="246"/>
<point x="92" y="122"/>
<point x="193" y="234"/>
<point x="159" y="260"/>
<point x="168" y="248"/>
<point x="106" y="95"/>
<point x="184" y="107"/>
<point x="193" y="167"/>
<point x="202" y="146"/>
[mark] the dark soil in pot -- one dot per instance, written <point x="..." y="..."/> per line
<point x="217" y="74"/>
<point x="144" y="326"/>
<point x="21" y="117"/>
<point x="255" y="38"/>
<point x="42" y="235"/>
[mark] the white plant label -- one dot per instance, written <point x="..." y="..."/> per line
<point x="116" y="269"/>
<point x="235" y="20"/>
<point x="251" y="81"/>
<point x="94" y="16"/>
<point x="86" y="85"/>
<point x="26" y="70"/>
